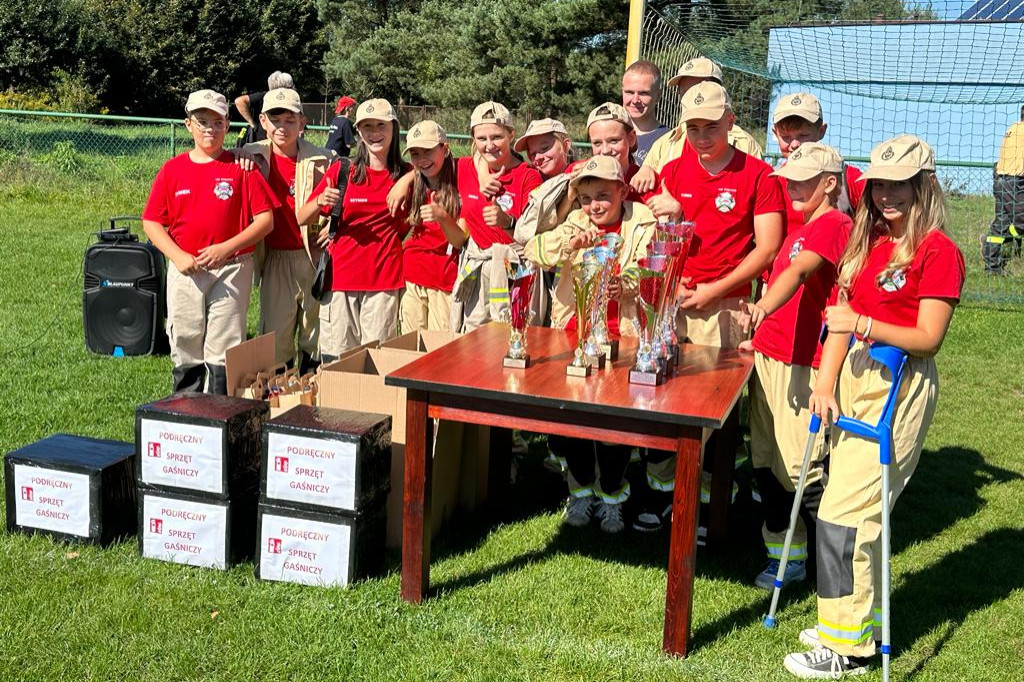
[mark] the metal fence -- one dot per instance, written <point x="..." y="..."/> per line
<point x="37" y="146"/>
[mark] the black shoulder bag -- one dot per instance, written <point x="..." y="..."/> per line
<point x="322" y="279"/>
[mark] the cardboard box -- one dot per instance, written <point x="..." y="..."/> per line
<point x="356" y="382"/>
<point x="315" y="548"/>
<point x="72" y="488"/>
<point x="197" y="531"/>
<point x="324" y="459"/>
<point x="200" y="443"/>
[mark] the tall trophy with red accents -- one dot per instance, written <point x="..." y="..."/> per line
<point x="518" y="314"/>
<point x="606" y="253"/>
<point x="650" y="275"/>
<point x="586" y="281"/>
<point x="672" y="241"/>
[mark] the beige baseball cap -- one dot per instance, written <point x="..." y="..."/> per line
<point x="491" y="112"/>
<point x="207" y="99"/>
<point x="701" y="67"/>
<point x="810" y="160"/>
<point x="375" y="110"/>
<point x="900" y="158"/>
<point x="609" y="111"/>
<point x="802" y="104"/>
<point x="707" y="100"/>
<point x="544" y="126"/>
<point x="424" y="135"/>
<point x="603" y="167"/>
<point x="282" y="98"/>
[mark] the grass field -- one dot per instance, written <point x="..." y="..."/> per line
<point x="519" y="598"/>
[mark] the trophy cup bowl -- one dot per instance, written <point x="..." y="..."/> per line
<point x="651" y="280"/>
<point x="607" y="254"/>
<point x="586" y="280"/>
<point x="520" y="292"/>
<point x="672" y="239"/>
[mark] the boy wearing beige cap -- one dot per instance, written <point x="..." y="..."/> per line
<point x="672" y="144"/>
<point x="205" y="214"/>
<point x="738" y="211"/>
<point x="787" y="351"/>
<point x="602" y="191"/>
<point x="292" y="167"/>
<point x="798" y="119"/>
<point x="366" y="251"/>
<point x="903" y="278"/>
<point x="430" y="254"/>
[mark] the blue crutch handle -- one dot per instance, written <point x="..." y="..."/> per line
<point x="815" y="424"/>
<point x="895" y="360"/>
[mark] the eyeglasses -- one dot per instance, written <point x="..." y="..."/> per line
<point x="203" y="124"/>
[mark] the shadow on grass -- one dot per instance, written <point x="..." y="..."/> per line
<point x="945" y="594"/>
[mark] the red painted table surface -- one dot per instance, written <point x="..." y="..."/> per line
<point x="465" y="381"/>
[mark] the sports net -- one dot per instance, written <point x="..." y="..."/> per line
<point x="949" y="71"/>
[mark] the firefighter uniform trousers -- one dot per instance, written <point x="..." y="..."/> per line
<point x="1008" y="223"/>
<point x="779" y="423"/>
<point x="850" y="518"/>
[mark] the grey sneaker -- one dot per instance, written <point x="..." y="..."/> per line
<point x="579" y="510"/>
<point x="823" y="663"/>
<point x="611" y="517"/>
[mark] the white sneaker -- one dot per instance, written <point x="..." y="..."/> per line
<point x="611" y="517"/>
<point x="809" y="637"/>
<point x="823" y="663"/>
<point x="579" y="510"/>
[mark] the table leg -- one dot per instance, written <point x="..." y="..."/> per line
<point x="724" y="467"/>
<point x="682" y="554"/>
<point x="416" y="498"/>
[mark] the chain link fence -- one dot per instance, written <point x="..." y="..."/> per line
<point x="99" y="154"/>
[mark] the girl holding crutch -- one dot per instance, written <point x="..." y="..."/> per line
<point x="902" y="278"/>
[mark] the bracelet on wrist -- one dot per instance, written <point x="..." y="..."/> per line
<point x="856" y="325"/>
<point x="867" y="330"/>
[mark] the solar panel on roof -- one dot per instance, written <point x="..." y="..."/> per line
<point x="994" y="10"/>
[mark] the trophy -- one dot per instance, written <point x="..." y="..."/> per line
<point x="586" y="280"/>
<point x="607" y="253"/>
<point x="518" y="315"/>
<point x="651" y="277"/>
<point x="672" y="240"/>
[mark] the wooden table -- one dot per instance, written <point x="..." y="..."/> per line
<point x="464" y="381"/>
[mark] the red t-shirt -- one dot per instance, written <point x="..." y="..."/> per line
<point x="202" y="204"/>
<point x="937" y="271"/>
<point x="854" y="190"/>
<point x="613" y="304"/>
<point x="792" y="333"/>
<point x="429" y="259"/>
<point x="367" y="253"/>
<point x="286" y="235"/>
<point x="723" y="207"/>
<point x="516" y="185"/>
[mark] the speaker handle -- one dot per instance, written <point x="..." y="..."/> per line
<point x="122" y="218"/>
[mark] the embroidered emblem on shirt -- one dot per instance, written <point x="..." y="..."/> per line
<point x="291" y="188"/>
<point x="895" y="281"/>
<point x="223" y="190"/>
<point x="797" y="247"/>
<point x="725" y="202"/>
<point x="887" y="154"/>
<point x="505" y="201"/>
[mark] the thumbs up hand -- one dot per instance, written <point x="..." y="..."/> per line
<point x="495" y="216"/>
<point x="490" y="186"/>
<point x="664" y="206"/>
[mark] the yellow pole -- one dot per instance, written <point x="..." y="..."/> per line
<point x="636" y="23"/>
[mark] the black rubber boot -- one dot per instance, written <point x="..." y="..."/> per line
<point x="188" y="378"/>
<point x="307" y="363"/>
<point x="218" y="379"/>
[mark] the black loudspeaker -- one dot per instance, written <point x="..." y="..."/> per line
<point x="123" y="302"/>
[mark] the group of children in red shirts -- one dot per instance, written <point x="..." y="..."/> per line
<point x="849" y="259"/>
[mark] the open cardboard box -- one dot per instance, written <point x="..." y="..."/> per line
<point x="356" y="382"/>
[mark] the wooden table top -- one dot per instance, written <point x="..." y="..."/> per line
<point x="703" y="391"/>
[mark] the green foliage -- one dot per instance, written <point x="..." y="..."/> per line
<point x="548" y="57"/>
<point x="64" y="158"/>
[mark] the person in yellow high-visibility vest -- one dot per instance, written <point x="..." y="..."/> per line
<point x="1008" y="189"/>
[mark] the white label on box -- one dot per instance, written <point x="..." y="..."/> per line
<point x="304" y="552"/>
<point x="182" y="455"/>
<point x="311" y="470"/>
<point x="184" y="532"/>
<point x="54" y="500"/>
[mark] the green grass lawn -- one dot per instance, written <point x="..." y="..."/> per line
<point x="516" y="599"/>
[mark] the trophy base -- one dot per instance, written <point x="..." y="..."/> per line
<point x="654" y="378"/>
<point x="516" y="363"/>
<point x="667" y="364"/>
<point x="596" y="361"/>
<point x="611" y="350"/>
<point x="574" y="371"/>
